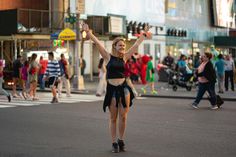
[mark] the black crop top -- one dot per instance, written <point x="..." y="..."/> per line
<point x="115" y="68"/>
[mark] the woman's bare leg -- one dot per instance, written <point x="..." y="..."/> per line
<point x="113" y="118"/>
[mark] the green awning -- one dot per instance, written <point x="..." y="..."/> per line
<point x="225" y="41"/>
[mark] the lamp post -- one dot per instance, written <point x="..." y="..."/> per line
<point x="78" y="82"/>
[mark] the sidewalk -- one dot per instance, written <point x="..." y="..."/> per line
<point x="164" y="91"/>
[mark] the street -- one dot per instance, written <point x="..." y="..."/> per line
<point x="157" y="127"/>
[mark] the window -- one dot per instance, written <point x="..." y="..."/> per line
<point x="146" y="49"/>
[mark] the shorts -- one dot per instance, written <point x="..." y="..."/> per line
<point x="53" y="82"/>
<point x="126" y="91"/>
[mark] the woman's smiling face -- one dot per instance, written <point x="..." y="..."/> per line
<point x="120" y="47"/>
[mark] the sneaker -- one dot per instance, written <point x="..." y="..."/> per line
<point x="194" y="105"/>
<point x="144" y="90"/>
<point x="21" y="95"/>
<point x="121" y="145"/>
<point x="9" y="98"/>
<point x="115" y="148"/>
<point x="154" y="92"/>
<point x="15" y="96"/>
<point x="215" y="107"/>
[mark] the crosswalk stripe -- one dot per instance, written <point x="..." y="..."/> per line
<point x="5" y="106"/>
<point x="46" y="99"/>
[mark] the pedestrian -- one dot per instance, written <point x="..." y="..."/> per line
<point x="43" y="65"/>
<point x="119" y="95"/>
<point x="207" y="79"/>
<point x="25" y="80"/>
<point x="33" y="76"/>
<point x="127" y="73"/>
<point x="1" y="82"/>
<point x="101" y="89"/>
<point x="17" y="65"/>
<point x="65" y="78"/>
<point x="220" y="70"/>
<point x="53" y="74"/>
<point x="143" y="68"/>
<point x="150" y="77"/>
<point x="229" y="72"/>
<point x="168" y="61"/>
<point x="196" y="60"/>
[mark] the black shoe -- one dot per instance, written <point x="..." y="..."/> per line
<point x="54" y="100"/>
<point x="115" y="148"/>
<point x="121" y="145"/>
<point x="9" y="98"/>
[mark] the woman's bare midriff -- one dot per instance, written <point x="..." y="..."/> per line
<point x="117" y="81"/>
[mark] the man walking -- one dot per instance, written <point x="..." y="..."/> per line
<point x="229" y="72"/>
<point x="17" y="65"/>
<point x="1" y="82"/>
<point x="52" y="75"/>
<point x="64" y="76"/>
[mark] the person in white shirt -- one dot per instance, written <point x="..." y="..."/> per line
<point x="53" y="74"/>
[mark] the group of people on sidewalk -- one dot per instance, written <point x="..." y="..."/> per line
<point x="28" y="74"/>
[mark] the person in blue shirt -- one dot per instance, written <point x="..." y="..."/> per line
<point x="220" y="69"/>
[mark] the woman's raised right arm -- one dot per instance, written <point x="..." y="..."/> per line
<point x="100" y="47"/>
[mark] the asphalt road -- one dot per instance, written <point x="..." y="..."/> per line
<point x="156" y="128"/>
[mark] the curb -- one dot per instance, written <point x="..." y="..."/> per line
<point x="183" y="97"/>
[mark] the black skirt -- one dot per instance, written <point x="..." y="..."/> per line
<point x="119" y="94"/>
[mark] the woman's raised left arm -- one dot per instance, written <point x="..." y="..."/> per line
<point x="132" y="50"/>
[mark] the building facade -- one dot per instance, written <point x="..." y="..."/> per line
<point x="196" y="18"/>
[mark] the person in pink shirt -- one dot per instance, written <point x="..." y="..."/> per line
<point x="1" y="81"/>
<point x="207" y="79"/>
<point x="24" y="78"/>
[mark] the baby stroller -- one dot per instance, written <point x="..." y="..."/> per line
<point x="177" y="78"/>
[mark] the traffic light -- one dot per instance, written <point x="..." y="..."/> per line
<point x="139" y="28"/>
<point x="134" y="28"/>
<point x="129" y="27"/>
<point x="176" y="32"/>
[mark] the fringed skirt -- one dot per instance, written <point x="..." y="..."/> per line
<point x="119" y="93"/>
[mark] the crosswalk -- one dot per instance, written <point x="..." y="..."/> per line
<point x="45" y="98"/>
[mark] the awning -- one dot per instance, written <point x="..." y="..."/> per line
<point x="225" y="41"/>
<point x="67" y="34"/>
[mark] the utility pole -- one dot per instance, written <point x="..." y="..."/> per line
<point x="78" y="82"/>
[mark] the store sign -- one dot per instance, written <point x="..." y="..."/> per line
<point x="116" y="25"/>
<point x="32" y="44"/>
<point x="67" y="34"/>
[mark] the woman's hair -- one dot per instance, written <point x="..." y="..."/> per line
<point x="100" y="63"/>
<point x="33" y="57"/>
<point x="220" y="56"/>
<point x="115" y="41"/>
<point x="208" y="55"/>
